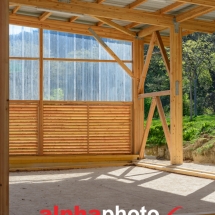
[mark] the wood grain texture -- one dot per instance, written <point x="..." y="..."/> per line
<point x="23" y="128"/>
<point x="146" y="131"/>
<point x="176" y="97"/>
<point x="4" y="108"/>
<point x="83" y="129"/>
<point x="138" y="105"/>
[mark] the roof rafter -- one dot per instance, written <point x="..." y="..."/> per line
<point x="130" y="6"/>
<point x="72" y="19"/>
<point x="105" y="11"/>
<point x="170" y="7"/>
<point x="149" y="30"/>
<point x="116" y="26"/>
<point x="44" y="16"/>
<point x="193" y="13"/>
<point x="15" y="10"/>
<point x="75" y="28"/>
<point x="164" y="10"/>
<point x="190" y="14"/>
<point x="118" y="13"/>
<point x="135" y="4"/>
<point x="208" y="3"/>
<point x="100" y="1"/>
<point x="131" y="25"/>
<point x="63" y="26"/>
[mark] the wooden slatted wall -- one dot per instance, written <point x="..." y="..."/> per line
<point x="109" y="129"/>
<point x="64" y="129"/>
<point x="71" y="128"/>
<point x="23" y="124"/>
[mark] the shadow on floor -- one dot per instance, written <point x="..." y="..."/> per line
<point x="104" y="188"/>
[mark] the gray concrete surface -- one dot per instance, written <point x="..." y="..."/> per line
<point x="104" y="188"/>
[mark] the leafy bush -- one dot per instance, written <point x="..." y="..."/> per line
<point x="192" y="130"/>
<point x="156" y="136"/>
<point x="207" y="127"/>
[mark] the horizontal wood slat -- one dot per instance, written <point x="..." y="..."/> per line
<point x="69" y="128"/>
<point x="23" y="132"/>
<point x="110" y="129"/>
<point x="65" y="129"/>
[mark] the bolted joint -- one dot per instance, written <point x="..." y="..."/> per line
<point x="176" y="25"/>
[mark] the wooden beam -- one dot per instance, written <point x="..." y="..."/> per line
<point x="4" y="107"/>
<point x="44" y="16"/>
<point x="116" y="26"/>
<point x="154" y="94"/>
<point x="100" y="10"/>
<point x="193" y="13"/>
<point x="111" y="53"/>
<point x="75" y="28"/>
<point x="72" y="19"/>
<point x="100" y="1"/>
<point x="149" y="30"/>
<point x="115" y="12"/>
<point x="207" y="3"/>
<point x="40" y="133"/>
<point x="138" y="105"/>
<point x="164" y="10"/>
<point x="146" y="65"/>
<point x="132" y="25"/>
<point x="165" y="40"/>
<point x="177" y="170"/>
<point x="186" y="32"/>
<point x="99" y="23"/>
<point x="147" y="128"/>
<point x="176" y="95"/>
<point x="163" y="52"/>
<point x="198" y="26"/>
<point x="136" y="3"/>
<point x="16" y="9"/>
<point x="163" y="121"/>
<point x="170" y="7"/>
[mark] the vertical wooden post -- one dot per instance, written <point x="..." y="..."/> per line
<point x="138" y="106"/>
<point x="176" y="96"/>
<point x="40" y="138"/>
<point x="4" y="108"/>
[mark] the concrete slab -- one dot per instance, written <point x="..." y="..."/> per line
<point x="104" y="188"/>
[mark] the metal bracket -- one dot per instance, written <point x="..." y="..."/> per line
<point x="177" y="88"/>
<point x="65" y="1"/>
<point x="176" y="25"/>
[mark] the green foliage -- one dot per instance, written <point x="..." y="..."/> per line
<point x="186" y="105"/>
<point x="156" y="136"/>
<point x="191" y="129"/>
<point x="147" y="104"/>
<point x="190" y="133"/>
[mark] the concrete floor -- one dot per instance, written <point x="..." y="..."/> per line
<point x="104" y="188"/>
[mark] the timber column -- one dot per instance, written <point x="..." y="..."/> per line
<point x="138" y="104"/>
<point x="4" y="107"/>
<point x="176" y="110"/>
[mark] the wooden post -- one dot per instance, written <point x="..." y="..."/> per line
<point x="40" y="137"/>
<point x="138" y="106"/>
<point x="176" y="96"/>
<point x="4" y="107"/>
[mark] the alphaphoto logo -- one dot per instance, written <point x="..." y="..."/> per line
<point x="118" y="211"/>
